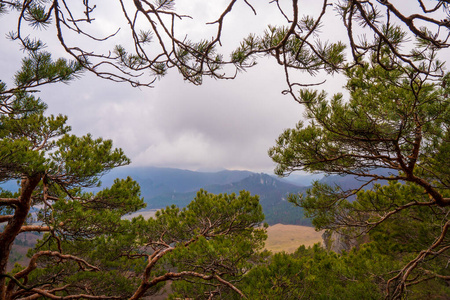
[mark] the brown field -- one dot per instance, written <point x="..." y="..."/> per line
<point x="280" y="237"/>
<point x="288" y="238"/>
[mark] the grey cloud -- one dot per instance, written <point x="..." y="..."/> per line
<point x="228" y="124"/>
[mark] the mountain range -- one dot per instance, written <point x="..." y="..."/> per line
<point x="161" y="187"/>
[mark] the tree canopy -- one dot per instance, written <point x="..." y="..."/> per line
<point x="156" y="39"/>
<point x="396" y="120"/>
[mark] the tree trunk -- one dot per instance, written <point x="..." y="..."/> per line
<point x="14" y="225"/>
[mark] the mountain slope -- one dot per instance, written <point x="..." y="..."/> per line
<point x="272" y="193"/>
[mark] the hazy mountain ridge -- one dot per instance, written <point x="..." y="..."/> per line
<point x="156" y="181"/>
<point x="347" y="182"/>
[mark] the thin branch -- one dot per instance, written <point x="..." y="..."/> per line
<point x="35" y="228"/>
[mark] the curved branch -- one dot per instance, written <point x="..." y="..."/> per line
<point x="432" y="191"/>
<point x="49" y="294"/>
<point x="402" y="276"/>
<point x="409" y="21"/>
<point x="33" y="262"/>
<point x="172" y="275"/>
<point x="9" y="202"/>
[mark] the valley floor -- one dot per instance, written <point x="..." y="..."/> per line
<point x="289" y="237"/>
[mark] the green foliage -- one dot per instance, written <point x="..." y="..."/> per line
<point x="39" y="68"/>
<point x="82" y="159"/>
<point x="397" y="118"/>
<point x="314" y="273"/>
<point x="385" y="109"/>
<point x="157" y="38"/>
<point x="215" y="235"/>
<point x="291" y="49"/>
<point x="33" y="143"/>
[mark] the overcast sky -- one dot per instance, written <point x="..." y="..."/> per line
<point x="221" y="124"/>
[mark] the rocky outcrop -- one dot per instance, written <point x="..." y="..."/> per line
<point x="339" y="242"/>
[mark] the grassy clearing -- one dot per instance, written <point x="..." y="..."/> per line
<point x="146" y="214"/>
<point x="289" y="237"/>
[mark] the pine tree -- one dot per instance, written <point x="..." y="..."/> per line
<point x="88" y="249"/>
<point x="396" y="120"/>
